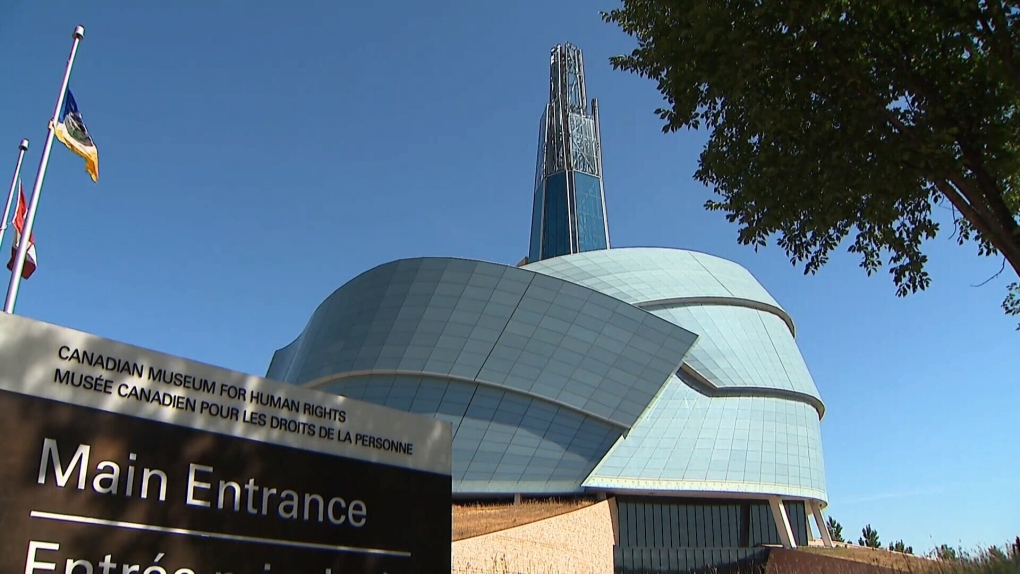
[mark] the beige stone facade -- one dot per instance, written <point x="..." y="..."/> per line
<point x="578" y="542"/>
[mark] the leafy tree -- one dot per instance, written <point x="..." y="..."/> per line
<point x="995" y="554"/>
<point x="899" y="546"/>
<point x="947" y="553"/>
<point x="835" y="529"/>
<point x="836" y="117"/>
<point x="869" y="537"/>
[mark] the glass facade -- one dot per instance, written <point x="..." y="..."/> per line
<point x="557" y="213"/>
<point x="743" y="407"/>
<point x="538" y="376"/>
<point x="568" y="214"/>
<point x="673" y="535"/>
<point x="651" y="522"/>
<point x="506" y="441"/>
<point x="619" y="370"/>
<point x="591" y="222"/>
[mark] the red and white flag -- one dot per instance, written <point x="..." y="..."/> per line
<point x="19" y="226"/>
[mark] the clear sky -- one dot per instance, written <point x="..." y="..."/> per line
<point x="254" y="156"/>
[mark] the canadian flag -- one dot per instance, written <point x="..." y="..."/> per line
<point x="19" y="226"/>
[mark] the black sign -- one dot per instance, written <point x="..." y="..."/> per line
<point x="88" y="490"/>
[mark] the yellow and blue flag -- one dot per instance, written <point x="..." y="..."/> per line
<point x="71" y="131"/>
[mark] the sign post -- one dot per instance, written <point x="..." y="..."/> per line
<point x="120" y="459"/>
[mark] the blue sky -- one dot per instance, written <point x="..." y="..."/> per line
<point x="253" y="160"/>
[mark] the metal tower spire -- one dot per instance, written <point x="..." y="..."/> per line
<point x="569" y="213"/>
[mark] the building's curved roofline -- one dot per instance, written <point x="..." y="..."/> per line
<point x="737" y="292"/>
<point x="605" y="374"/>
<point x="640" y="298"/>
<point x="375" y="268"/>
<point x="696" y="252"/>
<point x="777" y="309"/>
<point x="662" y="248"/>
<point x="716" y="489"/>
<point x="655" y="247"/>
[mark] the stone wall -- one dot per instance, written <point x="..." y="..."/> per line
<point x="578" y="542"/>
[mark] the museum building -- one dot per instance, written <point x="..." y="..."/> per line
<point x="666" y="380"/>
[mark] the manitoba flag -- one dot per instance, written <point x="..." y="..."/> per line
<point x="71" y="131"/>
<point x="19" y="226"/>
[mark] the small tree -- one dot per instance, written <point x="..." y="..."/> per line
<point x="996" y="555"/>
<point x="869" y="537"/>
<point x="947" y="553"/>
<point x="835" y="530"/>
<point x="899" y="546"/>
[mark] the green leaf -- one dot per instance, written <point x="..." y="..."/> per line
<point x="841" y="124"/>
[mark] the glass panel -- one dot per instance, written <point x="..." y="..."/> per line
<point x="555" y="240"/>
<point x="591" y="227"/>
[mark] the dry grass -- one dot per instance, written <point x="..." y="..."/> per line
<point x="876" y="557"/>
<point x="483" y="518"/>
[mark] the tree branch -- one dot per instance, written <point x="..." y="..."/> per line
<point x="956" y="224"/>
<point x="1002" y="42"/>
<point x="999" y="272"/>
<point x="982" y="217"/>
<point x="989" y="190"/>
<point x="1008" y="250"/>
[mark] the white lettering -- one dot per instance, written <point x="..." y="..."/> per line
<point x="80" y="459"/>
<point x="193" y="484"/>
<point x="266" y="493"/>
<point x="288" y="498"/>
<point x="31" y="564"/>
<point x="224" y="485"/>
<point x="357" y="513"/>
<point x="147" y="474"/>
<point x="329" y="511"/>
<point x="113" y="476"/>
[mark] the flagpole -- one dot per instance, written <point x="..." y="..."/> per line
<point x="22" y="148"/>
<point x="33" y="204"/>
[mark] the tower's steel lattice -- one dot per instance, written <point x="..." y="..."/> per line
<point x="569" y="213"/>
